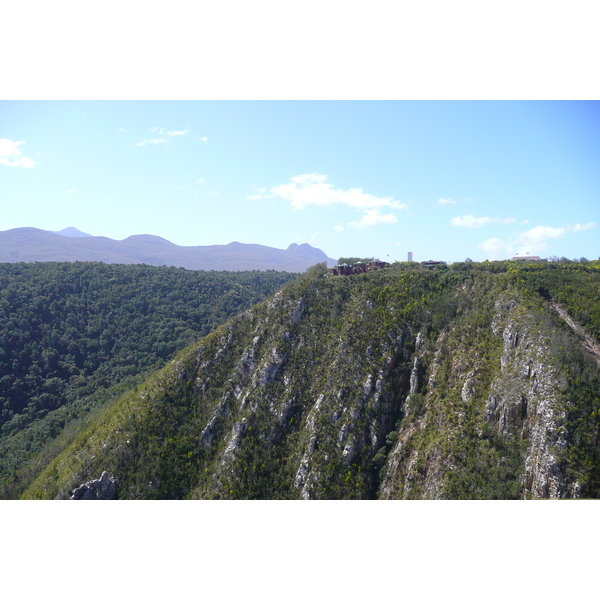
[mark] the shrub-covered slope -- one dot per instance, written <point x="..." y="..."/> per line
<point x="71" y="331"/>
<point x="453" y="382"/>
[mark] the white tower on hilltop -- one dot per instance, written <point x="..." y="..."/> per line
<point x="410" y="257"/>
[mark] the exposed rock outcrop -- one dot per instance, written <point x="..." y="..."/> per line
<point x="103" y="488"/>
<point x="524" y="401"/>
<point x="523" y="408"/>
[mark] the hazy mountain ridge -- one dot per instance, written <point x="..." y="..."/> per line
<point x="458" y="382"/>
<point x="28" y="244"/>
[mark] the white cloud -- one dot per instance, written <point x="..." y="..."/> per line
<point x="162" y="140"/>
<point x="124" y="130"/>
<point x="71" y="191"/>
<point x="201" y="180"/>
<point x="11" y="155"/>
<point x="532" y="241"/>
<point x="494" y="248"/>
<point x="309" y="178"/>
<point x="152" y="141"/>
<point x="471" y="221"/>
<point x="448" y="201"/>
<point x="312" y="188"/>
<point x="204" y="139"/>
<point x="372" y="217"/>
<point x="338" y="228"/>
<point x="258" y="195"/>
<point x="577" y="227"/>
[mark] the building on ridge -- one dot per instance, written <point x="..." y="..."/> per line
<point x="525" y="258"/>
<point x="358" y="267"/>
<point x="432" y="263"/>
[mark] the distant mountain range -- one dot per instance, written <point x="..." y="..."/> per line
<point x="28" y="244"/>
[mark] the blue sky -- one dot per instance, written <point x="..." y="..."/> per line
<point x="444" y="179"/>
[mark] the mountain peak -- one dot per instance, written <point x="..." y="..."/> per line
<point x="304" y="246"/>
<point x="307" y="251"/>
<point x="72" y="232"/>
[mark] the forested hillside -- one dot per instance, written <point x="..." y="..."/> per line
<point x="69" y="332"/>
<point x="476" y="380"/>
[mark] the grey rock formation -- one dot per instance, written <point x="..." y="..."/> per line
<point x="415" y="379"/>
<point x="523" y="408"/>
<point x="524" y="402"/>
<point x="103" y="488"/>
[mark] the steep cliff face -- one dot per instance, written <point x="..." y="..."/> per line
<point x="525" y="398"/>
<point x="506" y="400"/>
<point x="393" y="384"/>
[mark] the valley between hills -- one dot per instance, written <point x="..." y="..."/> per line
<point x="461" y="381"/>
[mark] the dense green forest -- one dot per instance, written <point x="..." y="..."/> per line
<point x="70" y="332"/>
<point x="455" y="381"/>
